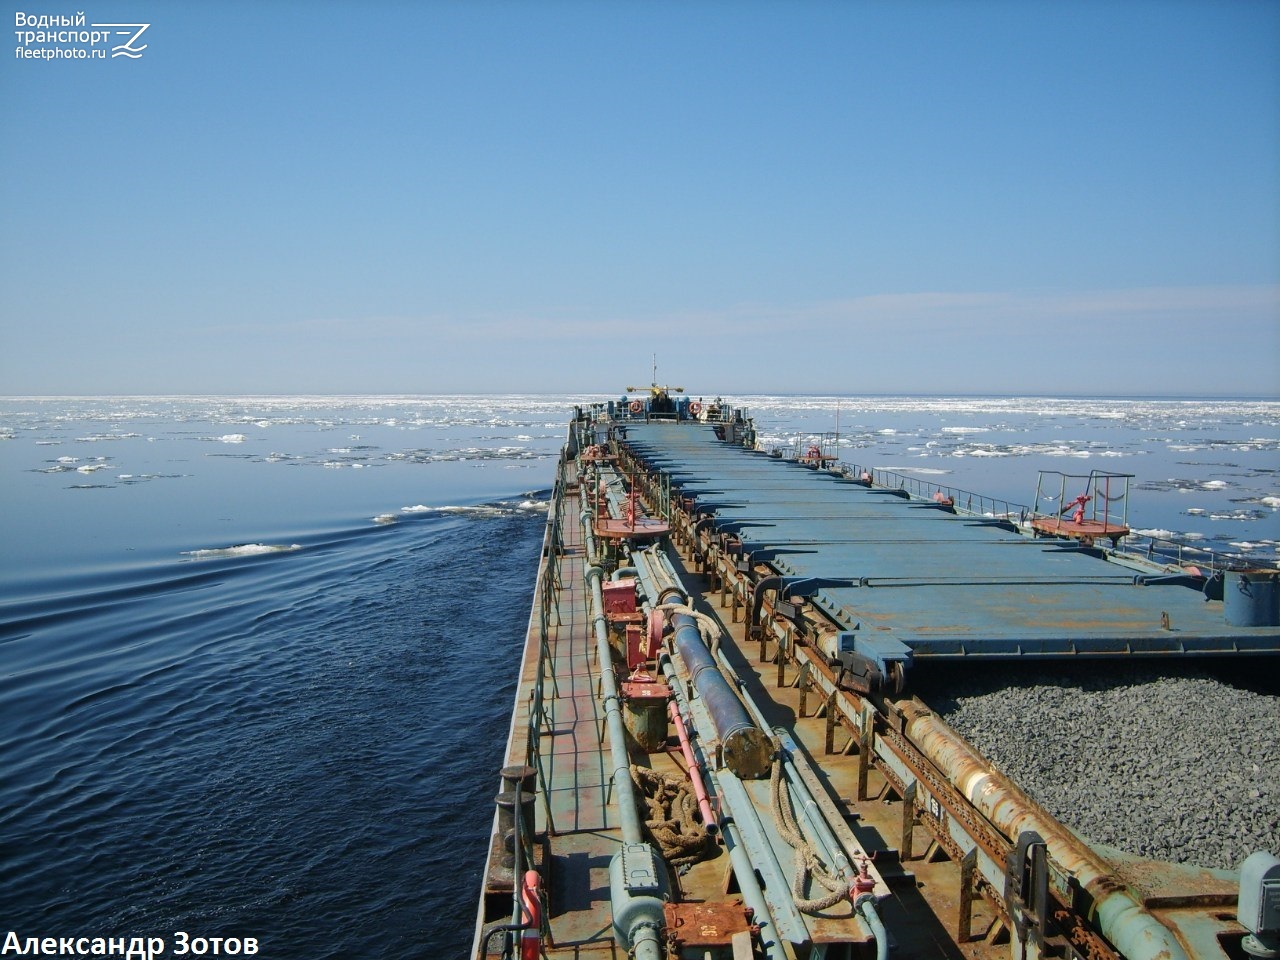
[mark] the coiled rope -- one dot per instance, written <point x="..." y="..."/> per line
<point x="672" y="816"/>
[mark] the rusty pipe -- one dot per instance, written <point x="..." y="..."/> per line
<point x="745" y="869"/>
<point x="1120" y="916"/>
<point x="745" y="746"/>
<point x="637" y="916"/>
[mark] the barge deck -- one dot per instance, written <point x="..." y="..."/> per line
<point x="715" y="753"/>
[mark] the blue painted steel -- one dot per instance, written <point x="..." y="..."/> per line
<point x="1252" y="598"/>
<point x="943" y="584"/>
<point x="880" y="650"/>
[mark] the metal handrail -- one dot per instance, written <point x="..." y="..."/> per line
<point x="1152" y="549"/>
<point x="964" y="501"/>
<point x="1096" y="503"/>
<point x="548" y="611"/>
<point x="1166" y="552"/>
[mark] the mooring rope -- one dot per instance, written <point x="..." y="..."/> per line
<point x="672" y="816"/>
<point x="807" y="862"/>
<point x="708" y="629"/>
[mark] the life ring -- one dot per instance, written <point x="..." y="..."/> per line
<point x="636" y="406"/>
<point x="531" y="904"/>
<point x="695" y="408"/>
<point x="815" y="453"/>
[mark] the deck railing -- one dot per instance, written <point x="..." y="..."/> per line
<point x="548" y="607"/>
<point x="964" y="501"/>
<point x="1161" y="551"/>
<point x="824" y="451"/>
<point x="1170" y="553"/>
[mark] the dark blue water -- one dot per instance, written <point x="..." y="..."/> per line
<point x="299" y="747"/>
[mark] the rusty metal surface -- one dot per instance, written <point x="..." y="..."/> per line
<point x="583" y="830"/>
<point x="1160" y="884"/>
<point x="703" y="925"/>
<point x="1078" y="529"/>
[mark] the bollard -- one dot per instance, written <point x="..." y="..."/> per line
<point x="507" y="821"/>
<point x="522" y="775"/>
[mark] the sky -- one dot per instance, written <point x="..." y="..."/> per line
<point x="977" y="197"/>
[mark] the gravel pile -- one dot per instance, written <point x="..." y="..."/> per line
<point x="1174" y="762"/>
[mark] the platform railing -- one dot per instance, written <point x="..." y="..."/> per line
<point x="1103" y="500"/>
<point x="964" y="501"/>
<point x="548" y="606"/>
<point x="1162" y="551"/>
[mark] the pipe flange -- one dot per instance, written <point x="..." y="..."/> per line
<point x="1261" y="946"/>
<point x="638" y="928"/>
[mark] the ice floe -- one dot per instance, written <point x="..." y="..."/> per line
<point x="242" y="550"/>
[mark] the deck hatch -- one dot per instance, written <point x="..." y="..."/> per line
<point x="945" y="584"/>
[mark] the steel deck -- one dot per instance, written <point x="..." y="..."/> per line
<point x="779" y="582"/>
<point x="574" y="805"/>
<point x="944" y="584"/>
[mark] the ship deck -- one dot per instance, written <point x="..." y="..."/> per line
<point x="776" y="559"/>
<point x="573" y="803"/>
<point x="576" y="822"/>
<point x="944" y="584"/>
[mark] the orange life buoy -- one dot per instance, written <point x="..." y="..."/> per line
<point x="695" y="408"/>
<point x="531" y="936"/>
<point x="636" y="406"/>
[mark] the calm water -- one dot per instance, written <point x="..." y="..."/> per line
<point x="257" y="655"/>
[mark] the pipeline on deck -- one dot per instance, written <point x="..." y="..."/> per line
<point x="842" y="583"/>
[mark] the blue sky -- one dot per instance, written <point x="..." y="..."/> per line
<point x="905" y="197"/>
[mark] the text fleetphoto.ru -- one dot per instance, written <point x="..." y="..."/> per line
<point x="70" y="36"/>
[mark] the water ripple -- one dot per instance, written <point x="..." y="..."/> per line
<point x="270" y="746"/>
